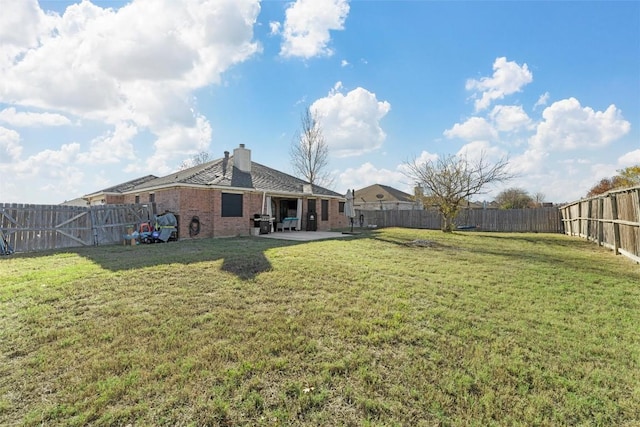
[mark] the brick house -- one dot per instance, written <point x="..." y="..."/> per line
<point x="225" y="194"/>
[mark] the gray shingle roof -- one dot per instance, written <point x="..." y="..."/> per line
<point x="223" y="173"/>
<point x="127" y="186"/>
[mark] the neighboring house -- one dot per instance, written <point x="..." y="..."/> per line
<point x="220" y="198"/>
<point x="116" y="194"/>
<point x="383" y="197"/>
<point x="76" y="202"/>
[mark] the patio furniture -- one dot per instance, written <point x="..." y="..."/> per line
<point x="289" y="223"/>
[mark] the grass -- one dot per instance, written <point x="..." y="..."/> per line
<point x="392" y="327"/>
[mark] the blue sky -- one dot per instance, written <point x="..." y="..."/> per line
<point x="97" y="93"/>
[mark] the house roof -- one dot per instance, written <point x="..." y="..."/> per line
<point x="125" y="186"/>
<point x="75" y="202"/>
<point x="370" y="194"/>
<point x="222" y="173"/>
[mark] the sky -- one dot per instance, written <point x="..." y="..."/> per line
<point x="96" y="93"/>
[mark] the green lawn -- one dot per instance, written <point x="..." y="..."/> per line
<point x="392" y="327"/>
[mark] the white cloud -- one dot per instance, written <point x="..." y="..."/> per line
<point x="274" y="28"/>
<point x="111" y="147"/>
<point x="542" y="101"/>
<point x="26" y="119"/>
<point x="175" y="141"/>
<point x="183" y="140"/>
<point x="94" y="51"/>
<point x="367" y="174"/>
<point x="510" y="118"/>
<point x="139" y="63"/>
<point x="48" y="163"/>
<point x="307" y="25"/>
<point x="476" y="150"/>
<point x="10" y="148"/>
<point x="630" y="159"/>
<point x="424" y="158"/>
<point x="566" y="125"/>
<point x="531" y="160"/>
<point x="508" y="78"/>
<point x="351" y="122"/>
<point x="344" y="63"/>
<point x="472" y="129"/>
<point x="20" y="23"/>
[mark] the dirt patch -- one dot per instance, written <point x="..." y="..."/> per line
<point x="423" y="243"/>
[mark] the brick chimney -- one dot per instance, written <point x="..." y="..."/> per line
<point x="242" y="158"/>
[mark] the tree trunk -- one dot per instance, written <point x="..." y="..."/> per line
<point x="447" y="224"/>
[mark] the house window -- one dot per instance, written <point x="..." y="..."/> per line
<point x="232" y="205"/>
<point x="340" y="207"/>
<point x="152" y="197"/>
<point x="325" y="210"/>
<point x="137" y="199"/>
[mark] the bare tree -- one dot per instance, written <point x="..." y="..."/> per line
<point x="198" y="159"/>
<point x="449" y="181"/>
<point x="539" y="198"/>
<point x="309" y="151"/>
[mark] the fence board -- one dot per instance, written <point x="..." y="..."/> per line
<point x="616" y="221"/>
<point x="39" y="227"/>
<point x="543" y="220"/>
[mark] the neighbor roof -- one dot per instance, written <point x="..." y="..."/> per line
<point x="370" y="193"/>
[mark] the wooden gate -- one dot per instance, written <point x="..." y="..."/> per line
<point x="39" y="227"/>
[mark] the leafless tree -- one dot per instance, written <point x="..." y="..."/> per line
<point x="449" y="181"/>
<point x="310" y="152"/>
<point x="198" y="159"/>
<point x="539" y="199"/>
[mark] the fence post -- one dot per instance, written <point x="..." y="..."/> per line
<point x="616" y="226"/>
<point x="579" y="218"/>
<point x="600" y="225"/>
<point x="589" y="219"/>
<point x="93" y="221"/>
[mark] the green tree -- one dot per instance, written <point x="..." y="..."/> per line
<point x="627" y="177"/>
<point x="630" y="176"/>
<point x="514" y="198"/>
<point x="449" y="181"/>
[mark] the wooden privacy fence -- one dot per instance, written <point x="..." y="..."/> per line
<point x="542" y="220"/>
<point x="611" y="220"/>
<point x="39" y="227"/>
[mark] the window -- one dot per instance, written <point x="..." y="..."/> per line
<point x="232" y="205"/>
<point x="152" y="197"/>
<point x="340" y="207"/>
<point x="325" y="210"/>
<point x="137" y="199"/>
